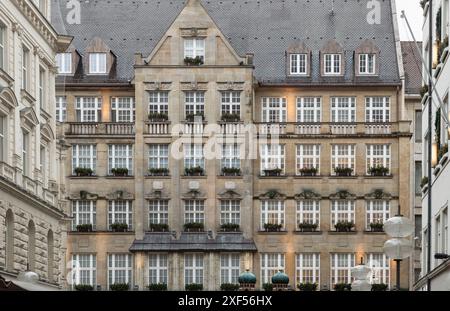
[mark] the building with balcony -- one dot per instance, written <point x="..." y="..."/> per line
<point x="32" y="215"/>
<point x="311" y="132"/>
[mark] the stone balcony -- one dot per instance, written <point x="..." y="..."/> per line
<point x="95" y="129"/>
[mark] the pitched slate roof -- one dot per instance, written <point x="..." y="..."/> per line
<point x="265" y="28"/>
<point x="223" y="242"/>
<point x="412" y="63"/>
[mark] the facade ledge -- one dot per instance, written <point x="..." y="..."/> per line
<point x="193" y="177"/>
<point x="308" y="177"/>
<point x="283" y="232"/>
<point x="379" y="177"/>
<point x="343" y="177"/>
<point x="342" y="233"/>
<point x="101" y="232"/>
<point x="83" y="177"/>
<point x="120" y="177"/>
<point x="307" y="233"/>
<point x="230" y="177"/>
<point x="157" y="177"/>
<point x="273" y="177"/>
<point x="374" y="232"/>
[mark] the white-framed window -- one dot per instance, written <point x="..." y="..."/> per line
<point x="307" y="268"/>
<point x="378" y="109"/>
<point x="274" y="109"/>
<point x="123" y="109"/>
<point x="309" y="109"/>
<point x="158" y="156"/>
<point x="272" y="157"/>
<point x="193" y="156"/>
<point x="342" y="210"/>
<point x="3" y="136"/>
<point x="231" y="156"/>
<point x="377" y="156"/>
<point x="230" y="212"/>
<point x="272" y="212"/>
<point x="308" y="156"/>
<point x="64" y="63"/>
<point x="84" y="269"/>
<point x="25" y="152"/>
<point x="42" y="89"/>
<point x="44" y="161"/>
<point x="380" y="265"/>
<point x="84" y="156"/>
<point x="194" y="211"/>
<point x="89" y="109"/>
<point x="25" y="67"/>
<point x="308" y="211"/>
<point x="231" y="102"/>
<point x="97" y="63"/>
<point x="193" y="269"/>
<point x="2" y="46"/>
<point x="367" y="64"/>
<point x="158" y="212"/>
<point x="343" y="109"/>
<point x="342" y="156"/>
<point x="120" y="156"/>
<point x="229" y="268"/>
<point x="120" y="212"/>
<point x="271" y="264"/>
<point x="341" y="266"/>
<point x="194" y="47"/>
<point x="299" y="64"/>
<point x="83" y="213"/>
<point x="194" y="103"/>
<point x="332" y="64"/>
<point x="158" y="102"/>
<point x="445" y="231"/>
<point x="61" y="108"/>
<point x="377" y="211"/>
<point x="158" y="269"/>
<point x="119" y="269"/>
<point x="438" y="234"/>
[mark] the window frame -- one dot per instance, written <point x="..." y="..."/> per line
<point x="96" y="63"/>
<point x="113" y="213"/>
<point x="384" y="268"/>
<point x="313" y="269"/>
<point x="77" y="269"/>
<point x="231" y="156"/>
<point x="334" y="271"/>
<point x="113" y="158"/>
<point x="350" y="157"/>
<point x="196" y="266"/>
<point x="85" y="114"/>
<point x="160" y="157"/>
<point x="158" y="100"/>
<point x="372" y="209"/>
<point x="3" y="46"/>
<point x="273" y="210"/>
<point x="61" y="109"/>
<point x="267" y="266"/>
<point x="92" y="157"/>
<point x="194" y="211"/>
<point x="315" y="110"/>
<point x="194" y="103"/>
<point x="116" y="110"/>
<point x="230" y="102"/>
<point x="197" y="50"/>
<point x="113" y="268"/>
<point x="3" y="138"/>
<point x="25" y="68"/>
<point x="335" y="61"/>
<point x="64" y="63"/>
<point x="269" y="155"/>
<point x="337" y="211"/>
<point x="229" y="270"/>
<point x="193" y="156"/>
<point x="301" y="157"/>
<point x="230" y="212"/>
<point x="160" y="268"/>
<point x="301" y="211"/>
<point x="364" y="62"/>
<point x="296" y="62"/>
<point x="343" y="109"/>
<point x="372" y="112"/>
<point x="274" y="109"/>
<point x="372" y="160"/>
<point x="91" y="211"/>
<point x="158" y="210"/>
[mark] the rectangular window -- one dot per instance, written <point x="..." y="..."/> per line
<point x="44" y="158"/>
<point x="2" y="46"/>
<point x="123" y="109"/>
<point x="308" y="211"/>
<point x="270" y="265"/>
<point x="229" y="268"/>
<point x="445" y="231"/>
<point x="25" y="153"/>
<point x="97" y="63"/>
<point x="438" y="235"/>
<point x="272" y="212"/>
<point x="194" y="103"/>
<point x="377" y="211"/>
<point x="119" y="269"/>
<point x="120" y="212"/>
<point x="309" y="109"/>
<point x="83" y="213"/>
<point x="378" y="156"/>
<point x="158" y="268"/>
<point x="64" y="63"/>
<point x="274" y="109"/>
<point x="158" y="103"/>
<point x="88" y="109"/>
<point x="3" y="144"/>
<point x="231" y="156"/>
<point x="84" y="156"/>
<point x="332" y="64"/>
<point x="193" y="156"/>
<point x="25" y="67"/>
<point x="367" y="64"/>
<point x="120" y="156"/>
<point x="42" y="87"/>
<point x="418" y="126"/>
<point x="298" y="64"/>
<point x="84" y="270"/>
<point x="272" y="157"/>
<point x="231" y="102"/>
<point x="342" y="156"/>
<point x="343" y="109"/>
<point x="379" y="264"/>
<point x="307" y="268"/>
<point x="230" y="212"/>
<point x="194" y="211"/>
<point x="378" y="109"/>
<point x="158" y="212"/>
<point x="158" y="156"/>
<point x="342" y="211"/>
<point x="61" y="109"/>
<point x="341" y="266"/>
<point x="193" y="269"/>
<point x="308" y="156"/>
<point x="194" y="47"/>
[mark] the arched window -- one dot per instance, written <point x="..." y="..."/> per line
<point x="9" y="240"/>
<point x="50" y="254"/>
<point x="31" y="245"/>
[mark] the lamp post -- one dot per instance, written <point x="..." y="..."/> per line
<point x="361" y="273"/>
<point x="398" y="248"/>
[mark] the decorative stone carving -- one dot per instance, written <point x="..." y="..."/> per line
<point x="158" y="185"/>
<point x="194" y="86"/>
<point x="230" y="86"/>
<point x="194" y="32"/>
<point x="157" y="86"/>
<point x="194" y="185"/>
<point x="120" y="195"/>
<point x="272" y="195"/>
<point x="342" y="195"/>
<point x="84" y="195"/>
<point x="378" y="194"/>
<point x="193" y="194"/>
<point x="308" y="195"/>
<point x="230" y="185"/>
<point x="230" y="195"/>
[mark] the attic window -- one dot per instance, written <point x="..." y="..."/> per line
<point x="64" y="63"/>
<point x="97" y="63"/>
<point x="298" y="64"/>
<point x="367" y="64"/>
<point x="194" y="48"/>
<point x="332" y="64"/>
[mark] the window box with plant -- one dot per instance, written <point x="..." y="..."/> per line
<point x="308" y="171"/>
<point x="194" y="287"/>
<point x="83" y="172"/>
<point x="267" y="287"/>
<point x="192" y="117"/>
<point x="228" y="287"/>
<point x="119" y="287"/>
<point x="229" y="227"/>
<point x="376" y="227"/>
<point x="193" y="61"/>
<point x="194" y="171"/>
<point x="84" y="228"/>
<point x="159" y="227"/>
<point x="273" y="227"/>
<point x="307" y="227"/>
<point x="119" y="227"/>
<point x="231" y="117"/>
<point x="158" y="117"/>
<point x="307" y="287"/>
<point x="157" y="287"/>
<point x="194" y="227"/>
<point x="120" y="172"/>
<point x="379" y="287"/>
<point x="231" y="171"/>
<point x="158" y="172"/>
<point x="379" y="171"/>
<point x="343" y="171"/>
<point x="276" y="172"/>
<point x="344" y="226"/>
<point x="83" y="288"/>
<point x="342" y="287"/>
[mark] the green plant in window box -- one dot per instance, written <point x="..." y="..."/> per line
<point x="230" y="117"/>
<point x="344" y="226"/>
<point x="83" y="171"/>
<point x="158" y="171"/>
<point x="379" y="170"/>
<point x="343" y="171"/>
<point x="307" y="287"/>
<point x="379" y="287"/>
<point x="194" y="227"/>
<point x="193" y="61"/>
<point x="229" y="227"/>
<point x="119" y="287"/>
<point x="231" y="171"/>
<point x="308" y="171"/>
<point x="229" y="287"/>
<point x="191" y="117"/>
<point x="342" y="287"/>
<point x="376" y="227"/>
<point x="273" y="227"/>
<point x="119" y="171"/>
<point x="84" y="288"/>
<point x="267" y="287"/>
<point x="194" y="171"/>
<point x="159" y="227"/>
<point x="308" y="227"/>
<point x="158" y="116"/>
<point x="84" y="228"/>
<point x="157" y="287"/>
<point x="193" y="287"/>
<point x="273" y="172"/>
<point x="119" y="227"/>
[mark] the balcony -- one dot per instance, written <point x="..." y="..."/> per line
<point x="82" y="128"/>
<point x="308" y="129"/>
<point x="194" y="128"/>
<point x="343" y="128"/>
<point x="272" y="129"/>
<point x="7" y="172"/>
<point x="378" y="128"/>
<point x="157" y="128"/>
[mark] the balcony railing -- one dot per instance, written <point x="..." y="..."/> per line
<point x="272" y="129"/>
<point x="29" y="185"/>
<point x="157" y="128"/>
<point x="194" y="128"/>
<point x="326" y="128"/>
<point x="378" y="128"/>
<point x="307" y="129"/>
<point x="82" y="128"/>
<point x="343" y="129"/>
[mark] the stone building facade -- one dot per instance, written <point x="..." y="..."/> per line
<point x="316" y="102"/>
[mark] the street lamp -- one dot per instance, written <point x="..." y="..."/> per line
<point x="398" y="248"/>
<point x="361" y="273"/>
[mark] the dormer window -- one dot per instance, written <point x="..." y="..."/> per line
<point x="194" y="48"/>
<point x="367" y="64"/>
<point x="332" y="64"/>
<point x="97" y="63"/>
<point x="64" y="63"/>
<point x="298" y="65"/>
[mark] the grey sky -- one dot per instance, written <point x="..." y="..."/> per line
<point x="415" y="17"/>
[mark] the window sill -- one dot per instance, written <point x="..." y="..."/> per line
<point x="342" y="233"/>
<point x="307" y="177"/>
<point x="307" y="233"/>
<point x="282" y="232"/>
<point x="195" y="176"/>
<point x="374" y="232"/>
<point x="157" y="176"/>
<point x="101" y="232"/>
<point x="119" y="177"/>
<point x="390" y="176"/>
<point x="276" y="177"/>
<point x="229" y="176"/>
<point x="343" y="177"/>
<point x="84" y="177"/>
